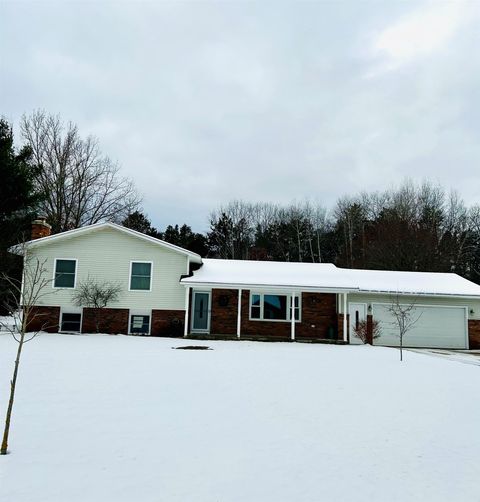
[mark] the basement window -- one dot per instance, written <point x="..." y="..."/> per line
<point x="273" y="307"/>
<point x="139" y="324"/>
<point x="71" y="323"/>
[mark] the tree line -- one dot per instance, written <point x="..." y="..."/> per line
<point x="414" y="227"/>
<point x="64" y="176"/>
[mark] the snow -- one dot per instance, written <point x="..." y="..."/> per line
<point x="119" y="418"/>
<point x="326" y="276"/>
<point x="7" y="323"/>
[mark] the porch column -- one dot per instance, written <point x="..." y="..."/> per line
<point x="292" y="320"/>
<point x="187" y="308"/>
<point x="345" y="327"/>
<point x="239" y="312"/>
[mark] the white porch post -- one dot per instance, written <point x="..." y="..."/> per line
<point x="187" y="308"/>
<point x="239" y="312"/>
<point x="292" y="320"/>
<point x="345" y="336"/>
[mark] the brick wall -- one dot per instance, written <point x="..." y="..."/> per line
<point x="370" y="329"/>
<point x="111" y="321"/>
<point x="224" y="309"/>
<point x="318" y="315"/>
<point x="167" y="323"/>
<point x="474" y="333"/>
<point x="43" y="319"/>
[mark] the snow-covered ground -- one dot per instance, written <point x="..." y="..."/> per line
<point x="117" y="418"/>
<point x="7" y="323"/>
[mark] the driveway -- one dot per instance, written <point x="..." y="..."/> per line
<point x="461" y="356"/>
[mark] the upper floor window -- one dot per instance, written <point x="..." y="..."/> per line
<point x="141" y="276"/>
<point x="65" y="271"/>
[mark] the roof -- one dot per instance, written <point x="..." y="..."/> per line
<point x="326" y="277"/>
<point x="194" y="257"/>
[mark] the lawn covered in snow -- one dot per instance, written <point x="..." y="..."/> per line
<point x="117" y="418"/>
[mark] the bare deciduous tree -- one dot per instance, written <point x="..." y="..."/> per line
<point x="81" y="185"/>
<point x="361" y="330"/>
<point x="96" y="295"/>
<point x="404" y="317"/>
<point x="25" y="295"/>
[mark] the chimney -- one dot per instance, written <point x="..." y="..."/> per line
<point x="40" y="228"/>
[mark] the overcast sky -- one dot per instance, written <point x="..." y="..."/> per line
<point x="204" y="102"/>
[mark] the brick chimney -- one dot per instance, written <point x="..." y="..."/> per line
<point x="40" y="228"/>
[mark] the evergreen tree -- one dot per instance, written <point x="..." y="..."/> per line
<point x="140" y="222"/>
<point x="18" y="201"/>
<point x="184" y="237"/>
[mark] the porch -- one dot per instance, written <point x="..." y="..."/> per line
<point x="266" y="315"/>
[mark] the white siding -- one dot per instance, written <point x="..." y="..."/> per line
<point x="441" y="327"/>
<point x="106" y="255"/>
<point x="369" y="299"/>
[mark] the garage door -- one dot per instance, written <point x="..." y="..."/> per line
<point x="439" y="327"/>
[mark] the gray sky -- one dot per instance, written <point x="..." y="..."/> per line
<point x="203" y="102"/>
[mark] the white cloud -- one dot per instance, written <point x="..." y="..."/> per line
<point x="419" y="34"/>
<point x="202" y="103"/>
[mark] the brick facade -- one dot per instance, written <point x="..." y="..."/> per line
<point x="370" y="329"/>
<point x="167" y="323"/>
<point x="318" y="317"/>
<point x="111" y="321"/>
<point x="43" y="319"/>
<point x="474" y="333"/>
<point x="224" y="309"/>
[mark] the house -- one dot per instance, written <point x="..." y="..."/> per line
<point x="169" y="291"/>
<point x="148" y="270"/>
<point x="254" y="299"/>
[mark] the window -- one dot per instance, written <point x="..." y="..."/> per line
<point x="275" y="307"/>
<point x="140" y="324"/>
<point x="141" y="276"/>
<point x="272" y="307"/>
<point x="255" y="310"/>
<point x="65" y="273"/>
<point x="71" y="323"/>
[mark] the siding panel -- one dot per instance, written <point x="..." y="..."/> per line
<point x="105" y="255"/>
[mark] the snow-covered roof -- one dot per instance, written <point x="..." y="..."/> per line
<point x="326" y="277"/>
<point x="194" y="257"/>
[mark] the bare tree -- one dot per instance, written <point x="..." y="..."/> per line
<point x="81" y="185"/>
<point x="232" y="229"/>
<point x="404" y="317"/>
<point x="361" y="330"/>
<point x="26" y="294"/>
<point x="96" y="295"/>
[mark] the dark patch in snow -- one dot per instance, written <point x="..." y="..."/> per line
<point x="193" y="347"/>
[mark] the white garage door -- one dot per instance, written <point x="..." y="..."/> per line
<point x="439" y="327"/>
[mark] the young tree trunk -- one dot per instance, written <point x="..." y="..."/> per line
<point x="13" y="384"/>
<point x="401" y="347"/>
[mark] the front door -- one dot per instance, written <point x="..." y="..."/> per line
<point x="201" y="312"/>
<point x="357" y="313"/>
